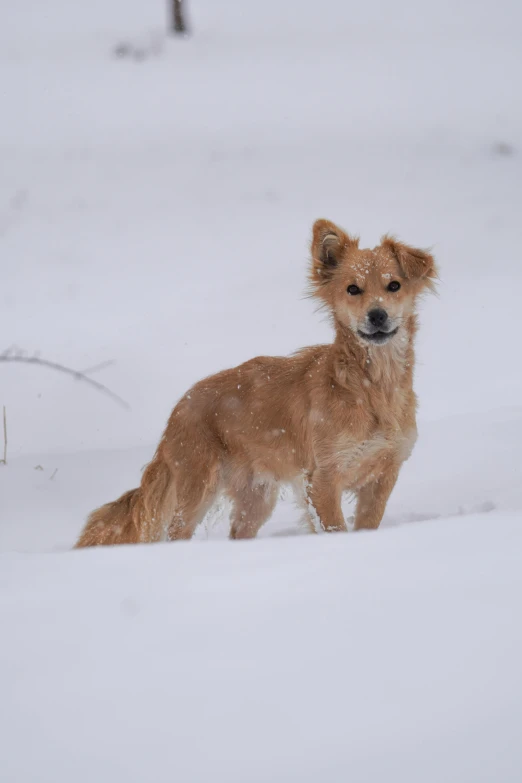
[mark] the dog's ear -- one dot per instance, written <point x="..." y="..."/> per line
<point x="329" y="242"/>
<point x="415" y="264"/>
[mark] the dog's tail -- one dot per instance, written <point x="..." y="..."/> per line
<point x="140" y="515"/>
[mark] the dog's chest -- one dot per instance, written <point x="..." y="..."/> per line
<point x="365" y="460"/>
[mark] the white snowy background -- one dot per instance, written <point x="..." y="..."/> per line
<point x="155" y="210"/>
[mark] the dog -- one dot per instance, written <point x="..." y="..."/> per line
<point x="328" y="419"/>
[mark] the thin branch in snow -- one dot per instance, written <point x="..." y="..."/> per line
<point x="98" y="367"/>
<point x="9" y="356"/>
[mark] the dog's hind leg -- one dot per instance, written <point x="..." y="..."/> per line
<point x="197" y="482"/>
<point x="189" y="515"/>
<point x="253" y="504"/>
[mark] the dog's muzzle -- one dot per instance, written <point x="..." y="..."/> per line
<point x="378" y="337"/>
<point x="377" y="328"/>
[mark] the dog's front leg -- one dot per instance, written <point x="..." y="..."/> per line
<point x="324" y="502"/>
<point x="372" y="499"/>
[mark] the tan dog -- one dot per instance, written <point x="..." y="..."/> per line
<point x="328" y="419"/>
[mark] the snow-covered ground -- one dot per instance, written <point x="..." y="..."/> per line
<point x="375" y="657"/>
<point x="155" y="210"/>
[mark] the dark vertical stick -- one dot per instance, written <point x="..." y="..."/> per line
<point x="4" y="460"/>
<point x="178" y="20"/>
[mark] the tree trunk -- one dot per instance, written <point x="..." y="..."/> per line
<point x="178" y="24"/>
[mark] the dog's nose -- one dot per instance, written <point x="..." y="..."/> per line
<point x="377" y="317"/>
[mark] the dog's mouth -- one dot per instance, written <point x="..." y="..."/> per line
<point x="378" y="337"/>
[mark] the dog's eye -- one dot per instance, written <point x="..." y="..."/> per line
<point x="394" y="286"/>
<point x="353" y="290"/>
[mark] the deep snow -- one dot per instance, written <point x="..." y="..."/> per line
<point x="372" y="657"/>
<point x="157" y="212"/>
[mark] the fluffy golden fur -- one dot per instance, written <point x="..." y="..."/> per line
<point x="329" y="418"/>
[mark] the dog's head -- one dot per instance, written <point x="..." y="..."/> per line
<point x="372" y="292"/>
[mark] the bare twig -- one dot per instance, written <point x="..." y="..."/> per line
<point x="54" y="474"/>
<point x="4" y="460"/>
<point x="8" y="356"/>
<point x="98" y="367"/>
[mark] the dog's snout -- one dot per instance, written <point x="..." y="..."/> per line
<point x="377" y="317"/>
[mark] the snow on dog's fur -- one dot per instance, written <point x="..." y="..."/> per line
<point x="331" y="417"/>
